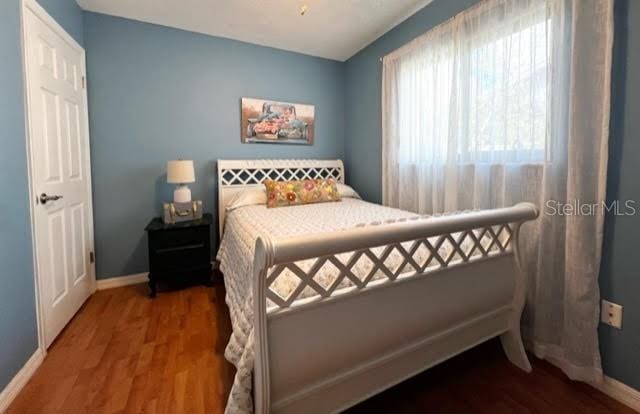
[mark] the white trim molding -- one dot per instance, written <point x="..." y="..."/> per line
<point x="620" y="392"/>
<point x="20" y="380"/>
<point x="127" y="280"/>
<point x="114" y="282"/>
<point x="613" y="388"/>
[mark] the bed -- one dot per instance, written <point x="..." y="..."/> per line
<point x="332" y="303"/>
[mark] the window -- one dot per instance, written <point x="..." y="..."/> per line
<point x="507" y="97"/>
<point x="474" y="90"/>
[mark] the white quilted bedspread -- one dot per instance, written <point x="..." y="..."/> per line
<point x="243" y="226"/>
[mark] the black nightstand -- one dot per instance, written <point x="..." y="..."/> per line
<point x="179" y="252"/>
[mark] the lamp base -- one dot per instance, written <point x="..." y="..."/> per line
<point x="182" y="194"/>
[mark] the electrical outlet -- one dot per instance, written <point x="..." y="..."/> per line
<point x="611" y="314"/>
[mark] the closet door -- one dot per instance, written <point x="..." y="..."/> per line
<point x="60" y="170"/>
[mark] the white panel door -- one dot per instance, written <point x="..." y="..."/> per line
<point x="60" y="171"/>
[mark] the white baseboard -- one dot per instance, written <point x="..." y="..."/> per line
<point x="620" y="391"/>
<point x="20" y="380"/>
<point x="613" y="388"/>
<point x="114" y="282"/>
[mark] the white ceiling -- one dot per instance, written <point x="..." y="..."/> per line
<point x="334" y="29"/>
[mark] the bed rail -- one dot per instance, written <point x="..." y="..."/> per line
<point x="421" y="247"/>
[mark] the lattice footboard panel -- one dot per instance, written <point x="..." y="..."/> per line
<point x="323" y="277"/>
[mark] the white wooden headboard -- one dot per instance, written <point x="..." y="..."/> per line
<point x="237" y="175"/>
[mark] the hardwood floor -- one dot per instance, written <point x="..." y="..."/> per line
<point x="125" y="353"/>
<point x="482" y="381"/>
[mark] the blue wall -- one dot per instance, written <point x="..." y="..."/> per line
<point x="620" y="273"/>
<point x="157" y="94"/>
<point x="620" y="277"/>
<point x="18" y="328"/>
<point x="18" y="334"/>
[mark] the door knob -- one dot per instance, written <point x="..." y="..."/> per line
<point x="44" y="198"/>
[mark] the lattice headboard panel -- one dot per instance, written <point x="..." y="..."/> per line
<point x="237" y="175"/>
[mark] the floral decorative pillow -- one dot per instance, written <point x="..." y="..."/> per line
<point x="290" y="193"/>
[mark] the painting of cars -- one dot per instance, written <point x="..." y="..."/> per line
<point x="265" y="121"/>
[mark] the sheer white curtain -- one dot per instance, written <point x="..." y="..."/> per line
<point x="507" y="102"/>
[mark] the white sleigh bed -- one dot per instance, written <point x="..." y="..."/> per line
<point x="328" y="315"/>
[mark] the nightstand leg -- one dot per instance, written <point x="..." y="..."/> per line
<point x="152" y="286"/>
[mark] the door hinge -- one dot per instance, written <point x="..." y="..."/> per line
<point x="83" y="82"/>
<point x="91" y="257"/>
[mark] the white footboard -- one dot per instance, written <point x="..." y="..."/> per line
<point x="458" y="283"/>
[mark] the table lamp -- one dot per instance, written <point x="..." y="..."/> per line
<point x="181" y="172"/>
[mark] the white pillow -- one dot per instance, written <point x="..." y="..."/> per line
<point x="258" y="195"/>
<point x="346" y="191"/>
<point x="248" y="197"/>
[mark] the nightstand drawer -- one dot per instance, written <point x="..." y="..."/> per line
<point x="179" y="237"/>
<point x="171" y="259"/>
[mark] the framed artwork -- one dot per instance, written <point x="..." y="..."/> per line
<point x="264" y="121"/>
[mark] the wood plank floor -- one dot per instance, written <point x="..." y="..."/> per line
<point x="482" y="381"/>
<point x="125" y="353"/>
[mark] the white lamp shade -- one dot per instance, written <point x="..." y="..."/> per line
<point x="180" y="172"/>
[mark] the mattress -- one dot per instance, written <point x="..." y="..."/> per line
<point x="242" y="228"/>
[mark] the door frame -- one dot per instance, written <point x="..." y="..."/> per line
<point x="41" y="13"/>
